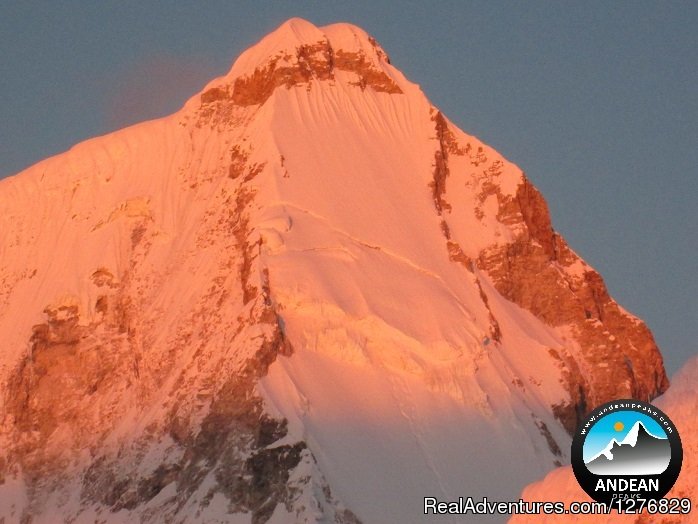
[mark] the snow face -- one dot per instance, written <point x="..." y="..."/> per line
<point x="275" y="304"/>
<point x="391" y="376"/>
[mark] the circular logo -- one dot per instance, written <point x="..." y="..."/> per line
<point x="624" y="450"/>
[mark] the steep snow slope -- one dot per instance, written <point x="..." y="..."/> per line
<point x="680" y="402"/>
<point x="304" y="297"/>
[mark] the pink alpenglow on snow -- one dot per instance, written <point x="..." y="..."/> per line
<point x="304" y="297"/>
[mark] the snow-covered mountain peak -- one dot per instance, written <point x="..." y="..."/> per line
<point x="298" y="53"/>
<point x="308" y="278"/>
<point x="285" y="39"/>
<point x="298" y="34"/>
<point x="351" y="38"/>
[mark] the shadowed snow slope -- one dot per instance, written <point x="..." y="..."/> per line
<point x="304" y="297"/>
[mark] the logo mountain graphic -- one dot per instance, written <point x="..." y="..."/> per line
<point x="639" y="453"/>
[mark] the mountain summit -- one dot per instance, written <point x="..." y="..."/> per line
<point x="305" y="297"/>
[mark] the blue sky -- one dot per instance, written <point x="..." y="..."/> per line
<point x="596" y="101"/>
<point x="603" y="431"/>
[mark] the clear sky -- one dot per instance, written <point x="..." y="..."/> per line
<point x="596" y="101"/>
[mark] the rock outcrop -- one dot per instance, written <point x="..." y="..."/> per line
<point x="537" y="272"/>
<point x="614" y="355"/>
